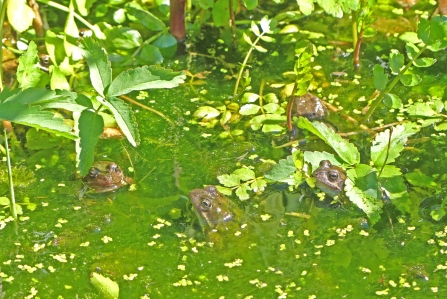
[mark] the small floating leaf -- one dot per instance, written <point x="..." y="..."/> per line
<point x="105" y="286"/>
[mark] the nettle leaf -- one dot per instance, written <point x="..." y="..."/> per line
<point x="399" y="136"/>
<point x="20" y="15"/>
<point x="345" y="150"/>
<point x="229" y="180"/>
<point x="380" y="79"/>
<point x="28" y="74"/>
<point x="146" y="77"/>
<point x="249" y="109"/>
<point x="99" y="65"/>
<point x="283" y="170"/>
<point x="410" y="79"/>
<point x="394" y="187"/>
<point x="125" y="118"/>
<point x="396" y="61"/>
<point x="91" y="126"/>
<point x="371" y="207"/>
<point x="424" y="62"/>
<point x="245" y="174"/>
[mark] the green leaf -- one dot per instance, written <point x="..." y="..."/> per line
<point x="424" y="62"/>
<point x="306" y="6"/>
<point x="365" y="178"/>
<point x="150" y="54"/>
<point x="283" y="170"/>
<point x="71" y="32"/>
<point x="437" y="213"/>
<point x="167" y="44"/>
<point x="106" y="287"/>
<point x="268" y="39"/>
<point x="380" y="79"/>
<point x="4" y="201"/>
<point x="371" y="207"/>
<point x="410" y="79"/>
<point x="55" y="45"/>
<point x="412" y="50"/>
<point x="245" y="174"/>
<point x="417" y="178"/>
<point x="125" y="38"/>
<point x="146" y="77"/>
<point x="314" y="158"/>
<point x="249" y="109"/>
<point x="220" y="13"/>
<point x="83" y="6"/>
<point x="421" y="109"/>
<point x="91" y="126"/>
<point x="229" y="180"/>
<point x="396" y="61"/>
<point x="345" y="150"/>
<point x="124" y="117"/>
<point x="119" y="16"/>
<point x="433" y="31"/>
<point x="264" y="119"/>
<point x="255" y="29"/>
<point x="382" y="144"/>
<point x="394" y="187"/>
<point x="258" y="185"/>
<point x="28" y="74"/>
<point x="58" y="80"/>
<point x="392" y="101"/>
<point x="273" y="108"/>
<point x="247" y="39"/>
<point x="99" y="65"/>
<point x="206" y="112"/>
<point x="250" y="4"/>
<point x="20" y="15"/>
<point x="146" y="18"/>
<point x="242" y="193"/>
<point x="249" y="97"/>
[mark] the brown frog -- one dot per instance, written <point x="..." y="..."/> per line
<point x="329" y="178"/>
<point x="310" y="107"/>
<point x="105" y="176"/>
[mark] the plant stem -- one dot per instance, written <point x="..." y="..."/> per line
<point x="244" y="64"/>
<point x="11" y="183"/>
<point x="382" y="94"/>
<point x="2" y="19"/>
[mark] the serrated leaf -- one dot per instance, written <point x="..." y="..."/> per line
<point x="396" y="61"/>
<point x="245" y="174"/>
<point x="258" y="185"/>
<point x="124" y="117"/>
<point x="28" y="74"/>
<point x="242" y="193"/>
<point x="382" y="144"/>
<point x="314" y="158"/>
<point x="224" y="190"/>
<point x="20" y="15"/>
<point x="249" y="109"/>
<point x="380" y="79"/>
<point x="99" y="65"/>
<point x="371" y="207"/>
<point x="410" y="79"/>
<point x="106" y="287"/>
<point x="91" y="126"/>
<point x="345" y="150"/>
<point x="229" y="180"/>
<point x="146" y="77"/>
<point x="283" y="170"/>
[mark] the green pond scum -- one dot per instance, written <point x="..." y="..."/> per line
<point x="218" y="185"/>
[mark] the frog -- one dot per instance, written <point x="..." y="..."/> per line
<point x="329" y="178"/>
<point x="105" y="176"/>
<point x="310" y="107"/>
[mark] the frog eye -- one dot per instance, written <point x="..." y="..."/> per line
<point x="206" y="204"/>
<point x="113" y="167"/>
<point x="333" y="176"/>
<point x="93" y="172"/>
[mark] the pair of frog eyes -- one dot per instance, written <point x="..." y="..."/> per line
<point x="94" y="171"/>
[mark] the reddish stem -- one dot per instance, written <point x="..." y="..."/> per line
<point x="177" y="19"/>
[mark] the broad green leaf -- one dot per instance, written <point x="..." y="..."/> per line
<point x="417" y="178"/>
<point x="437" y="213"/>
<point x="242" y="193"/>
<point x="283" y="170"/>
<point x="396" y="61"/>
<point x="249" y="109"/>
<point x="4" y="201"/>
<point x="410" y="79"/>
<point x="54" y="44"/>
<point x="150" y="55"/>
<point x="28" y="74"/>
<point x="124" y="38"/>
<point x="220" y="13"/>
<point x="412" y="50"/>
<point x="345" y="150"/>
<point x="273" y="108"/>
<point x="146" y="18"/>
<point x="385" y="148"/>
<point x="20" y="15"/>
<point x="392" y="101"/>
<point x="83" y="6"/>
<point x="245" y="174"/>
<point x="433" y="30"/>
<point x="229" y="180"/>
<point x="206" y="112"/>
<point x="250" y="4"/>
<point x="421" y="109"/>
<point x="314" y="158"/>
<point x="146" y="77"/>
<point x="410" y="37"/>
<point x="394" y="187"/>
<point x="424" y="62"/>
<point x="106" y="287"/>
<point x="124" y="117"/>
<point x="258" y="121"/>
<point x="58" y="80"/>
<point x="99" y="65"/>
<point x="91" y="126"/>
<point x="258" y="185"/>
<point x="380" y="79"/>
<point x="272" y="128"/>
<point x="249" y="97"/>
<point x="167" y="44"/>
<point x="371" y="207"/>
<point x="365" y="179"/>
<point x="223" y="190"/>
<point x="306" y="6"/>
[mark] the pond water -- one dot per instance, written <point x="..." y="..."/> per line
<point x="287" y="245"/>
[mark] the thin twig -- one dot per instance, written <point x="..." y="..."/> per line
<point x="148" y="108"/>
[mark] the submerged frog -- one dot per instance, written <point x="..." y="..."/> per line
<point x="329" y="178"/>
<point x="105" y="176"/>
<point x="310" y="107"/>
